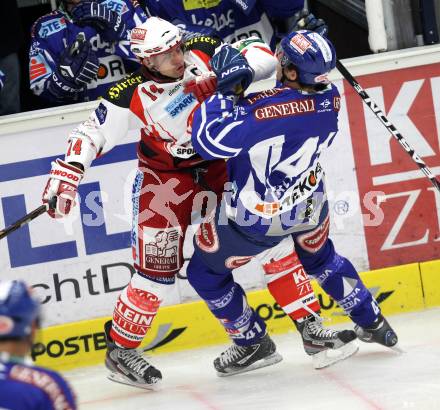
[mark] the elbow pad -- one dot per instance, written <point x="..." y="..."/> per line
<point x="85" y="143"/>
<point x="81" y="149"/>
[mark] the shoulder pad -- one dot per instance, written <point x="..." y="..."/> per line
<point x="121" y="92"/>
<point x="206" y="44"/>
<point x="49" y="24"/>
<point x="253" y="41"/>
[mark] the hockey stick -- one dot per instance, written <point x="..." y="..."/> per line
<point x="29" y="217"/>
<point x="388" y="125"/>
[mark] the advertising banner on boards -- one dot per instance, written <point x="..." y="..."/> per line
<point x="384" y="211"/>
<point x="410" y="98"/>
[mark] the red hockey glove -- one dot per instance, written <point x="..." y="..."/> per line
<point x="201" y="86"/>
<point x="63" y="184"/>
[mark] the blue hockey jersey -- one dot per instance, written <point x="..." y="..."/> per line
<point x="232" y="20"/>
<point x="273" y="141"/>
<point x="54" y="32"/>
<point x="24" y="387"/>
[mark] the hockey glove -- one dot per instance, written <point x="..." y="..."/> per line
<point x="234" y="73"/>
<point x="107" y="22"/>
<point x="307" y="21"/>
<point x="201" y="86"/>
<point x="63" y="184"/>
<point x="77" y="68"/>
<point x="79" y="64"/>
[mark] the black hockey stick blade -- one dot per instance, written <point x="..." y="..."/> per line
<point x="387" y="124"/>
<point x="29" y="217"/>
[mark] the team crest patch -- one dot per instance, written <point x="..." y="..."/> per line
<point x="101" y="113"/>
<point x="314" y="240"/>
<point x="206" y="236"/>
<point x="234" y="262"/>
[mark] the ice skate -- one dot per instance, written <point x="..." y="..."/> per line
<point x="239" y="359"/>
<point x="379" y="332"/>
<point x="326" y="346"/>
<point x="128" y="366"/>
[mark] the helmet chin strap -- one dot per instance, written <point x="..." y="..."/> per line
<point x="283" y="78"/>
<point x="155" y="75"/>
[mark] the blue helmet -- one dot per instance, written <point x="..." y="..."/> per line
<point x="18" y="310"/>
<point x="313" y="56"/>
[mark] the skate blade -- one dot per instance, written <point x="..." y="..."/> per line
<point x="267" y="361"/>
<point x="329" y="357"/>
<point x="119" y="378"/>
<point x="396" y="348"/>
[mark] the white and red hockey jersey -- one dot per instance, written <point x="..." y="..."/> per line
<point x="160" y="109"/>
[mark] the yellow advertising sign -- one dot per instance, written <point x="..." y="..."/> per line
<point x="199" y="4"/>
<point x="191" y="325"/>
<point x="430" y="272"/>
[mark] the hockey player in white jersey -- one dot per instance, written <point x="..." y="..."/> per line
<point x="169" y="177"/>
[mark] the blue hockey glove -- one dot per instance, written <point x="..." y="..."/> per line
<point x="307" y="21"/>
<point x="79" y="63"/>
<point x="78" y="67"/>
<point x="233" y="72"/>
<point x="106" y="21"/>
<point x="2" y="79"/>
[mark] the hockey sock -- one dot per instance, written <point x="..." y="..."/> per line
<point x="289" y="285"/>
<point x="344" y="285"/>
<point x="226" y="300"/>
<point x="338" y="277"/>
<point x="136" y="309"/>
<point x="241" y="322"/>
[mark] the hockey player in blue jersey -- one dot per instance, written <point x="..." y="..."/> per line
<point x="273" y="140"/>
<point x="231" y="20"/>
<point x="22" y="385"/>
<point x="82" y="48"/>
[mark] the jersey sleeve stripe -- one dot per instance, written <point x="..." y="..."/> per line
<point x="210" y="144"/>
<point x="201" y="129"/>
<point x="203" y="57"/>
<point x="225" y="131"/>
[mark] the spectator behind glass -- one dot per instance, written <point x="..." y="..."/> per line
<point x="82" y="48"/>
<point x="11" y="35"/>
<point x="231" y="20"/>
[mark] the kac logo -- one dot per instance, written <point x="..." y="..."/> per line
<point x="325" y="104"/>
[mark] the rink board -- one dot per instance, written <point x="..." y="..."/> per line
<point x="430" y="273"/>
<point x="191" y="325"/>
<point x="78" y="265"/>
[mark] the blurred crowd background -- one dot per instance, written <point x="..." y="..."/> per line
<point x="407" y="23"/>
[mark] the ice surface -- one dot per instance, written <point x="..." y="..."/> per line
<point x="375" y="378"/>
